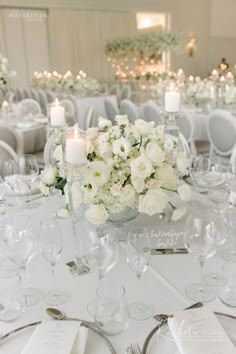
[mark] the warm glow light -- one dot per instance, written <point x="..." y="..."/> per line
<point x="76" y="131"/>
<point x="149" y="20"/>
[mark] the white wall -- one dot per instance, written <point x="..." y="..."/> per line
<point x="206" y="19"/>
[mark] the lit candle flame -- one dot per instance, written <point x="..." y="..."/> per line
<point x="76" y="131"/>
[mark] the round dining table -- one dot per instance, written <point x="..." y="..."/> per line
<point x="162" y="285"/>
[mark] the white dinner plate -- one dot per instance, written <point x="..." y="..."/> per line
<point x="16" y="342"/>
<point x="163" y="342"/>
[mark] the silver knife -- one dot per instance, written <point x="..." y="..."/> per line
<point x="160" y="251"/>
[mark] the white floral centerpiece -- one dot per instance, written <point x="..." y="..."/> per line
<point x="129" y="165"/>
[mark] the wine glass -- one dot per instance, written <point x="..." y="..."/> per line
<point x="210" y="172"/>
<point x="138" y="257"/>
<point x="28" y="169"/>
<point x="9" y="168"/>
<point x="19" y="243"/>
<point x="200" y="235"/>
<point x="51" y="248"/>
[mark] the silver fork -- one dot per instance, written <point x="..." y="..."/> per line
<point x="135" y="349"/>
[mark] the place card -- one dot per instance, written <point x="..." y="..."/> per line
<point x="56" y="337"/>
<point x="199" y="331"/>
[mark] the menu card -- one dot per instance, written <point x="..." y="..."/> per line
<point x="199" y="331"/>
<point x="57" y="337"/>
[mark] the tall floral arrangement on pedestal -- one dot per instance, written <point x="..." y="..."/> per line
<point x="129" y="165"/>
<point x="5" y="73"/>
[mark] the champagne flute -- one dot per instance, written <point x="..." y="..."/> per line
<point x="200" y="235"/>
<point x="138" y="257"/>
<point x="28" y="169"/>
<point x="19" y="243"/>
<point x="51" y="248"/>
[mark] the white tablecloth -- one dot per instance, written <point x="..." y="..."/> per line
<point x="32" y="138"/>
<point x="83" y="104"/>
<point x="162" y="285"/>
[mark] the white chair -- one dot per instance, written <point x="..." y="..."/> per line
<point x="35" y="95"/>
<point x="43" y="101"/>
<point x="152" y="113"/>
<point x="127" y="107"/>
<point x="30" y="106"/>
<point x="125" y="93"/>
<point x="90" y="119"/>
<point x="11" y="96"/>
<point x="115" y="90"/>
<point x="185" y="124"/>
<point x="221" y="130"/>
<point x="69" y="111"/>
<point x="6" y="153"/>
<point x="11" y="138"/>
<point x="50" y="96"/>
<point x="111" y="110"/>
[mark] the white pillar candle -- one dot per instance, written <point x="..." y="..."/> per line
<point x="191" y="78"/>
<point x="214" y="74"/>
<point x="75" y="151"/>
<point x="222" y="79"/>
<point x="229" y="76"/>
<point x="5" y="105"/>
<point x="172" y="101"/>
<point x="57" y="114"/>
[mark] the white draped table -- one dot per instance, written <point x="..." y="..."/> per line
<point x="162" y="285"/>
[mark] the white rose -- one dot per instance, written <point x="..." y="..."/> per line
<point x="138" y="184"/>
<point x="58" y="153"/>
<point x="144" y="127"/>
<point x="122" y="119"/>
<point x="116" y="189"/>
<point x="43" y="188"/>
<point x="178" y="214"/>
<point x="121" y="147"/>
<point x="153" y="202"/>
<point x="183" y="163"/>
<point x="76" y="194"/>
<point x="104" y="123"/>
<point x="141" y="167"/>
<point x="90" y="147"/>
<point x="96" y="214"/>
<point x="99" y="172"/>
<point x="184" y="192"/>
<point x="48" y="175"/>
<point x="154" y="153"/>
<point x="127" y="194"/>
<point x="166" y="177"/>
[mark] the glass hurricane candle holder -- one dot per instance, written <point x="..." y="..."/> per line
<point x="172" y="98"/>
<point x="74" y="147"/>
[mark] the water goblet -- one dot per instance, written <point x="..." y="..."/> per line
<point x="51" y="248"/>
<point x="9" y="168"/>
<point x="28" y="169"/>
<point x="19" y="243"/>
<point x="138" y="257"/>
<point x="200" y="234"/>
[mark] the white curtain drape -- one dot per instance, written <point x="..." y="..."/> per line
<point x="24" y="41"/>
<point x="77" y="39"/>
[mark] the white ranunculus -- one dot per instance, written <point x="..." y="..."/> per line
<point x="127" y="194"/>
<point x="48" y="175"/>
<point x="138" y="184"/>
<point x="178" y="214"/>
<point x="43" y="188"/>
<point x="141" y="167"/>
<point x="99" y="172"/>
<point x="153" y="202"/>
<point x="96" y="214"/>
<point x="104" y="123"/>
<point x="154" y="153"/>
<point x="76" y="194"/>
<point x="184" y="192"/>
<point x="143" y="127"/>
<point x="122" y="119"/>
<point x="182" y="163"/>
<point x="58" y="153"/>
<point x="116" y="189"/>
<point x="121" y="147"/>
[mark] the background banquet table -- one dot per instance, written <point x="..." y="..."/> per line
<point x="32" y="138"/>
<point x="162" y="285"/>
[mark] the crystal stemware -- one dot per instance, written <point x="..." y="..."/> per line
<point x="51" y="248"/>
<point x="138" y="257"/>
<point x="19" y="243"/>
<point x="200" y="235"/>
<point x="28" y="168"/>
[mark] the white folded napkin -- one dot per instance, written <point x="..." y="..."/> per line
<point x="198" y="331"/>
<point x="57" y="337"/>
<point x="26" y="124"/>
